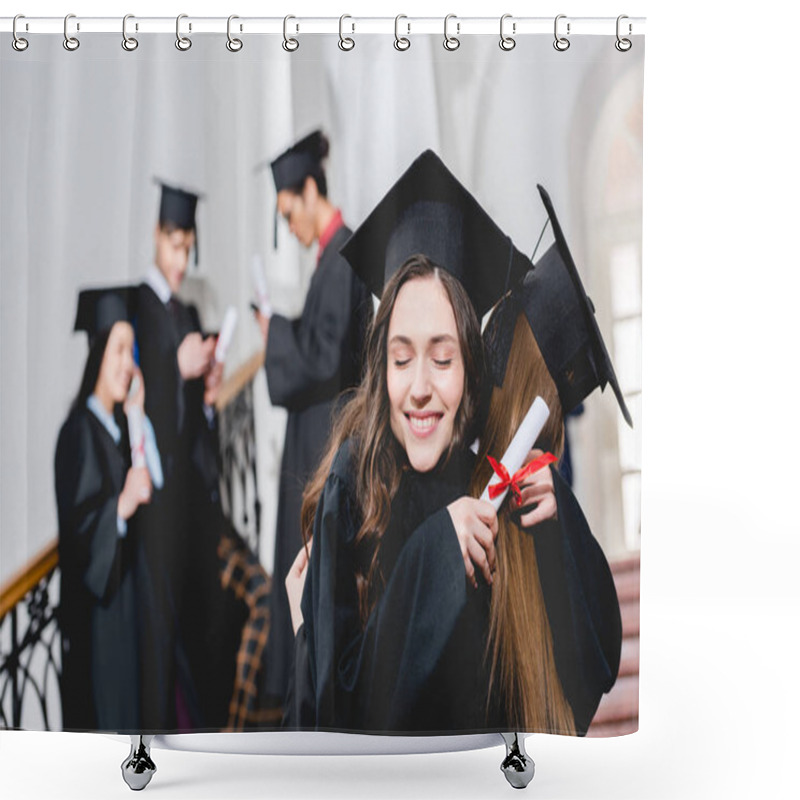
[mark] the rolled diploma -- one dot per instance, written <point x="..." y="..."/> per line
<point x="226" y="334"/>
<point x="524" y="439"/>
<point x="260" y="281"/>
<point x="136" y="435"/>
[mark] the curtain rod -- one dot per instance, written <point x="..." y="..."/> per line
<point x="348" y="25"/>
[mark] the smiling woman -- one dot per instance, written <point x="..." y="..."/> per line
<point x="99" y="493"/>
<point x="398" y="456"/>
<point x="425" y="371"/>
<point x="116" y="369"/>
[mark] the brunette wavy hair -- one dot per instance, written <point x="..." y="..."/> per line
<point x="519" y="647"/>
<point x="378" y="458"/>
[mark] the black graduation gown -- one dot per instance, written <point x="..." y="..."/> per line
<point x="98" y="603"/>
<point x="157" y="340"/>
<point x="309" y="362"/>
<point x="382" y="678"/>
<point x="213" y="618"/>
<point x="418" y="666"/>
<point x="167" y="528"/>
<point x="582" y="605"/>
<point x="207" y="623"/>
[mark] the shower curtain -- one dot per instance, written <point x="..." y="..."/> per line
<point x="255" y="162"/>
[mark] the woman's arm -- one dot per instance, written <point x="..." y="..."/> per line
<point x="304" y="355"/>
<point x="89" y="538"/>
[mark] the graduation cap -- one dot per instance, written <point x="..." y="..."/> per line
<point x="293" y="166"/>
<point x="562" y="318"/>
<point x="178" y="210"/>
<point x="99" y="309"/>
<point x="429" y="212"/>
<point x="302" y="159"/>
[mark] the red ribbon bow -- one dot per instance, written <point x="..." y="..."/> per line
<point x="512" y="481"/>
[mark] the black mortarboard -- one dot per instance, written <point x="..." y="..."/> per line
<point x="178" y="209"/>
<point x="302" y="159"/>
<point x="99" y="309"/>
<point x="293" y="166"/>
<point x="429" y="212"/>
<point x="562" y="318"/>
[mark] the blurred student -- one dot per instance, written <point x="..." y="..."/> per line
<point x="310" y="361"/>
<point x="99" y="495"/>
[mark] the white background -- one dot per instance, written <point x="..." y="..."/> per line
<point x="720" y="601"/>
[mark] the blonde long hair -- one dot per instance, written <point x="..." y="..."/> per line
<point x="520" y="643"/>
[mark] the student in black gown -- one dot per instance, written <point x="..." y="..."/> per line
<point x="399" y="453"/>
<point x="100" y="496"/>
<point x="193" y="682"/>
<point x="543" y="340"/>
<point x="310" y="361"/>
<point x="420" y="662"/>
<point x="174" y="358"/>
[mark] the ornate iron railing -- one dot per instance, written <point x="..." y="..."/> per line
<point x="238" y="451"/>
<point x="30" y="646"/>
<point x="30" y="640"/>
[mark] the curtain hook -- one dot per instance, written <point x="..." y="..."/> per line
<point x="289" y="44"/>
<point x="561" y="43"/>
<point x="129" y="43"/>
<point x="71" y="43"/>
<point x="451" y="42"/>
<point x="623" y="45"/>
<point x="345" y="42"/>
<point x="507" y="42"/>
<point x="401" y="42"/>
<point x="18" y="43"/>
<point x="183" y="43"/>
<point x="233" y="44"/>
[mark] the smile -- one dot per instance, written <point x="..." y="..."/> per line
<point x="423" y="425"/>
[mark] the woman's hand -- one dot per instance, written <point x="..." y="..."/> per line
<point x="538" y="491"/>
<point x="137" y="398"/>
<point x="475" y="522"/>
<point x="194" y="355"/>
<point x="137" y="490"/>
<point x="295" y="583"/>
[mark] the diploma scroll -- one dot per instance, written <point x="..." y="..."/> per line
<point x="260" y="283"/>
<point x="225" y="335"/>
<point x="136" y="435"/>
<point x="524" y="439"/>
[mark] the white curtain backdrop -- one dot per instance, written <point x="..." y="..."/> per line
<point x="83" y="135"/>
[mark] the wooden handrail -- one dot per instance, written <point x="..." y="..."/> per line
<point x="28" y="577"/>
<point x="240" y="378"/>
<point x="46" y="560"/>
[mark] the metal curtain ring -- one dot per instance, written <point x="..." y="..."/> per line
<point x="233" y="44"/>
<point x="401" y="42"/>
<point x="345" y="42"/>
<point x="289" y="44"/>
<point x="451" y="42"/>
<point x="623" y="45"/>
<point x="182" y="42"/>
<point x="70" y="42"/>
<point x="129" y="43"/>
<point x="18" y="43"/>
<point x="507" y="42"/>
<point x="561" y="43"/>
